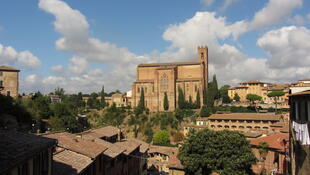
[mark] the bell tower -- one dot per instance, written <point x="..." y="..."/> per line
<point x="203" y="59"/>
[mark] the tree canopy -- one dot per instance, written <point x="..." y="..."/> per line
<point x="253" y="97"/>
<point x="161" y="138"/>
<point x="224" y="93"/>
<point x="236" y="97"/>
<point x="276" y="95"/>
<point x="224" y="152"/>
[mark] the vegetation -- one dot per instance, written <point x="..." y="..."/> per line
<point x="197" y="103"/>
<point x="161" y="138"/>
<point x="102" y="100"/>
<point x="223" y="91"/>
<point x="275" y="95"/>
<point x="181" y="99"/>
<point x="236" y="97"/>
<point x="205" y="111"/>
<point x="224" y="152"/>
<point x="253" y="98"/>
<point x="166" y="102"/>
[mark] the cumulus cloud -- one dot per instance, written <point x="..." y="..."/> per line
<point x="207" y="3"/>
<point x="23" y="59"/>
<point x="78" y="65"/>
<point x="287" y="47"/>
<point x="57" y="68"/>
<point x="274" y="12"/>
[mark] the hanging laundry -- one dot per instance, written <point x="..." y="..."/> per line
<point x="302" y="133"/>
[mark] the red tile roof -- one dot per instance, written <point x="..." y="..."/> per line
<point x="76" y="144"/>
<point x="129" y="145"/>
<point x="274" y="141"/>
<point x="106" y="131"/>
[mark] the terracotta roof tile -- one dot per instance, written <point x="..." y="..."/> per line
<point x="129" y="145"/>
<point x="106" y="131"/>
<point x="16" y="147"/>
<point x="143" y="145"/>
<point x="171" y="152"/>
<point x="252" y="81"/>
<point x="274" y="141"/>
<point x="245" y="116"/>
<point x="69" y="162"/>
<point x="77" y="144"/>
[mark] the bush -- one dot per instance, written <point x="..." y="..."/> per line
<point x="161" y="138"/>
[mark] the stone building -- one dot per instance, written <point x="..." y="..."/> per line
<point x="22" y="153"/>
<point x="9" y="83"/>
<point x="300" y="133"/>
<point x="251" y="124"/>
<point x="156" y="79"/>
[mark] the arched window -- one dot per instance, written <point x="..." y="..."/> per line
<point x="164" y="82"/>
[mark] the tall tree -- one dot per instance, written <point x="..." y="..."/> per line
<point x="190" y="104"/>
<point x="205" y="96"/>
<point x="215" y="87"/>
<point x="59" y="91"/>
<point x="166" y="102"/>
<point x="253" y="98"/>
<point x="197" y="104"/>
<point x="224" y="93"/>
<point x="224" y="152"/>
<point x="137" y="121"/>
<point x="275" y="95"/>
<point x="181" y="99"/>
<point x="102" y="95"/>
<point x="141" y="104"/>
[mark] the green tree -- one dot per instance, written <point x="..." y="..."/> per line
<point x="205" y="96"/>
<point x="190" y="104"/>
<point x="166" y="102"/>
<point x="141" y="104"/>
<point x="215" y="87"/>
<point x="205" y="111"/>
<point x="224" y="152"/>
<point x="102" y="95"/>
<point x="275" y="95"/>
<point x="253" y="98"/>
<point x="93" y="102"/>
<point x="59" y="91"/>
<point x="137" y="121"/>
<point x="236" y="97"/>
<point x="197" y="104"/>
<point x="161" y="138"/>
<point x="181" y="99"/>
<point x="224" y="93"/>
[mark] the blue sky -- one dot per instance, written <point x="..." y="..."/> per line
<point x="121" y="34"/>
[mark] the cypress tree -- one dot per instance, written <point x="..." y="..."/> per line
<point x="190" y="103"/>
<point x="181" y="99"/>
<point x="102" y="95"/>
<point x="166" y="102"/>
<point x="205" y="96"/>
<point x="215" y="88"/>
<point x="197" y="104"/>
<point x="141" y="102"/>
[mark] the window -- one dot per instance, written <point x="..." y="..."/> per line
<point x="195" y="88"/>
<point x="1" y="83"/>
<point x="164" y="82"/>
<point x="138" y="90"/>
<point x="8" y="93"/>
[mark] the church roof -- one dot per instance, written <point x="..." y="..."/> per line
<point x="168" y="64"/>
<point x="7" y="68"/>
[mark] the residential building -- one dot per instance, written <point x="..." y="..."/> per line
<point x="9" y="83"/>
<point x="120" y="100"/>
<point x="163" y="160"/>
<point x="76" y="155"/>
<point x="251" y="124"/>
<point x="25" y="154"/>
<point x="107" y="133"/>
<point x="299" y="133"/>
<point x="301" y="85"/>
<point x="275" y="160"/>
<point x="158" y="79"/>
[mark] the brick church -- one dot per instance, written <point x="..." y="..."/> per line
<point x="158" y="78"/>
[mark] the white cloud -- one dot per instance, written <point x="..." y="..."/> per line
<point x="78" y="65"/>
<point x="23" y="59"/>
<point x="207" y="3"/>
<point x="226" y="4"/>
<point x="287" y="47"/>
<point x="57" y="68"/>
<point x="274" y="12"/>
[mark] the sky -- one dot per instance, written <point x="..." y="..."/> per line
<point x="83" y="45"/>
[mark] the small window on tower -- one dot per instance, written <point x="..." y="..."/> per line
<point x="202" y="57"/>
<point x="138" y="90"/>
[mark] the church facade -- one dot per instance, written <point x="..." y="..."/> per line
<point x="156" y="79"/>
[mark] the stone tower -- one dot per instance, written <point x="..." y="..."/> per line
<point x="203" y="59"/>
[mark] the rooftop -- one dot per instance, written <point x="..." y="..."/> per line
<point x="16" y="147"/>
<point x="163" y="150"/>
<point x="245" y="116"/>
<point x="7" y="68"/>
<point x="307" y="92"/>
<point x="274" y="141"/>
<point x="69" y="162"/>
<point x="106" y="131"/>
<point x="76" y="144"/>
<point x="168" y="64"/>
<point x="143" y="145"/>
<point x="128" y="145"/>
